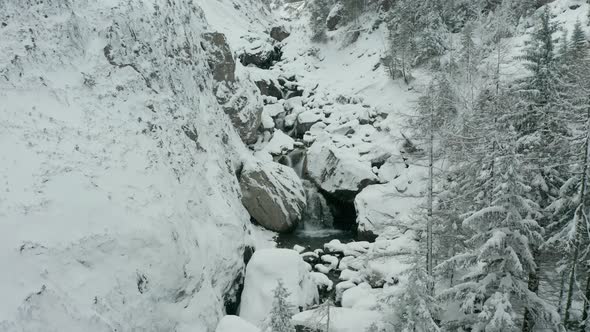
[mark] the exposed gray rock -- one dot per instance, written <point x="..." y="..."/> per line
<point x="273" y="195"/>
<point x="262" y="55"/>
<point x="220" y="58"/>
<point x="334" y="18"/>
<point x="279" y="33"/>
<point x="244" y="107"/>
<point x="270" y="88"/>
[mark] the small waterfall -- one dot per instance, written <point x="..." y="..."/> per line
<point x="317" y="215"/>
<point x="295" y="159"/>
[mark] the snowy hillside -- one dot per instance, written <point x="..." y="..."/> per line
<point x="119" y="207"/>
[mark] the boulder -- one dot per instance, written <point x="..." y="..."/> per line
<point x="232" y="323"/>
<point x="220" y="58"/>
<point x="266" y="267"/>
<point x="244" y="107"/>
<point x="269" y="87"/>
<point x="273" y="195"/>
<point x="261" y="54"/>
<point x="338" y="171"/>
<point x="279" y="33"/>
<point x="381" y="206"/>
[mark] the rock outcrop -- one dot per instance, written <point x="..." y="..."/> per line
<point x="273" y="195"/>
<point x="244" y="107"/>
<point x="220" y="60"/>
<point x="279" y="33"/>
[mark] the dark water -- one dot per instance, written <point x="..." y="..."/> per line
<point x="314" y="239"/>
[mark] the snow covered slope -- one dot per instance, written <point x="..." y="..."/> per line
<point x="119" y="208"/>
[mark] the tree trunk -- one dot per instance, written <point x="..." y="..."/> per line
<point x="580" y="215"/>
<point x="529" y="320"/>
<point x="429" y="256"/>
<point x="586" y="304"/>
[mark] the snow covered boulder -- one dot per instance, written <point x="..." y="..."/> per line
<point x="338" y="171"/>
<point x="341" y="319"/>
<point x="260" y="53"/>
<point x="264" y="270"/>
<point x="383" y="205"/>
<point x="273" y="195"/>
<point x="234" y="324"/>
<point x="243" y="105"/>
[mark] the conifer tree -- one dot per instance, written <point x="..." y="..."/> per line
<point x="281" y="312"/>
<point x="414" y="310"/>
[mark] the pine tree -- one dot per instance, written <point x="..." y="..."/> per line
<point x="281" y="312"/>
<point x="504" y="229"/>
<point x="414" y="310"/>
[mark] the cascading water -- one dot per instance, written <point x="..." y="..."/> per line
<point x="317" y="216"/>
<point x="317" y="225"/>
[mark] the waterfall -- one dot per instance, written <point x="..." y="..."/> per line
<point x="317" y="215"/>
<point x="295" y="159"/>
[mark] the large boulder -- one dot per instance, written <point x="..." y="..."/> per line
<point x="220" y="58"/>
<point x="270" y="87"/>
<point x="381" y="206"/>
<point x="261" y="53"/>
<point x="339" y="171"/>
<point x="243" y="105"/>
<point x="264" y="270"/>
<point x="273" y="195"/>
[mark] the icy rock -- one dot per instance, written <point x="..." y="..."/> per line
<point x="220" y="57"/>
<point x="273" y="195"/>
<point x="232" y="323"/>
<point x="341" y="319"/>
<point x="264" y="270"/>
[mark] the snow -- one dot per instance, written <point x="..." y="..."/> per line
<point x="341" y="319"/>
<point x="232" y="323"/>
<point x="321" y="280"/>
<point x="359" y="297"/>
<point x="279" y="143"/>
<point x="298" y="248"/>
<point x="322" y="268"/>
<point x="332" y="260"/>
<point x="265" y="268"/>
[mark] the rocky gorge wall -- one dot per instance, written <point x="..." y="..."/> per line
<point x="120" y="209"/>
